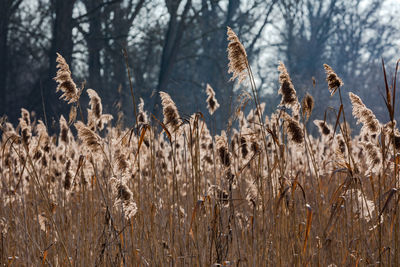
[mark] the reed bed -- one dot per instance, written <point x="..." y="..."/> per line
<point x="169" y="192"/>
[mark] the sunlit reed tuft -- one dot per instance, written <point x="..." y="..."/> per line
<point x="65" y="82"/>
<point x="237" y="57"/>
<point x="212" y="103"/>
<point x="334" y="82"/>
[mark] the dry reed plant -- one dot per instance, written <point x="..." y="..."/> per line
<point x="212" y="103"/>
<point x="264" y="193"/>
<point x="65" y="82"/>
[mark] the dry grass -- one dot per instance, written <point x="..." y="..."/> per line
<point x="264" y="194"/>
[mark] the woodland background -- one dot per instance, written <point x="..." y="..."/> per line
<point x="178" y="46"/>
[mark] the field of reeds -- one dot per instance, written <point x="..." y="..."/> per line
<point x="169" y="192"/>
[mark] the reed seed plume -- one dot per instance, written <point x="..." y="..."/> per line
<point x="266" y="191"/>
<point x="41" y="131"/>
<point x="222" y="149"/>
<point x="374" y="157"/>
<point x="89" y="138"/>
<point x="363" y="207"/>
<point x="334" y="82"/>
<point x="64" y="130"/>
<point x="364" y="115"/>
<point x="218" y="194"/>
<point x="122" y="164"/>
<point x="68" y="176"/>
<point x="323" y="127"/>
<point x="123" y="196"/>
<point x="293" y="128"/>
<point x="237" y="57"/>
<point x="96" y="107"/>
<point x="142" y="114"/>
<point x="96" y="118"/>
<point x="65" y="82"/>
<point x="212" y="103"/>
<point x="72" y="114"/>
<point x="289" y="97"/>
<point x="171" y="115"/>
<point x="341" y="145"/>
<point x="26" y="129"/>
<point x="25" y="116"/>
<point x="308" y="105"/>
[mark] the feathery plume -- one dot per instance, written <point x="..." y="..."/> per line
<point x="323" y="127"/>
<point x="222" y="149"/>
<point x="26" y="131"/>
<point x="96" y="118"/>
<point x="89" y="138"/>
<point x="68" y="175"/>
<point x="64" y="130"/>
<point x="237" y="57"/>
<point x="364" y="115"/>
<point x="171" y="115"/>
<point x="308" y="105"/>
<point x="212" y="103"/>
<point x="65" y="82"/>
<point x="289" y="97"/>
<point x="293" y="128"/>
<point x="123" y="196"/>
<point x="218" y="194"/>
<point x="41" y="130"/>
<point x="341" y="145"/>
<point x="96" y="107"/>
<point x="25" y="116"/>
<point x="122" y="164"/>
<point x="243" y="147"/>
<point x="72" y="114"/>
<point x="363" y="206"/>
<point x="334" y="82"/>
<point x="374" y="157"/>
<point x="142" y="115"/>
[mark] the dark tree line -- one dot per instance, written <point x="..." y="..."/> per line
<point x="178" y="46"/>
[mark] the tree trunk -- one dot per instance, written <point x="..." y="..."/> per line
<point x="4" y="20"/>
<point x="61" y="43"/>
<point x="95" y="44"/>
<point x="171" y="47"/>
<point x="7" y="8"/>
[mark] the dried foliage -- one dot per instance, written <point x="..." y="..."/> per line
<point x="334" y="82"/>
<point x="212" y="103"/>
<point x="264" y="187"/>
<point x="237" y="57"/>
<point x="65" y="82"/>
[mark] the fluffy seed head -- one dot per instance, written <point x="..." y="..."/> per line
<point x="334" y="82"/>
<point x="171" y="115"/>
<point x="222" y="149"/>
<point x="212" y="103"/>
<point x="374" y="156"/>
<point x="65" y="82"/>
<point x="289" y="97"/>
<point x="25" y="116"/>
<point x="237" y="57"/>
<point x="294" y="130"/>
<point x="123" y="196"/>
<point x="89" y="138"/>
<point x="364" y="115"/>
<point x="323" y="127"/>
<point x="142" y="115"/>
<point x="308" y="105"/>
<point x="122" y="164"/>
<point x="64" y="130"/>
<point x="95" y="103"/>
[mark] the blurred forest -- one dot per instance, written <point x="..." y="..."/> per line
<point x="179" y="46"/>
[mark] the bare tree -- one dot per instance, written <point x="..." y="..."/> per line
<point x="7" y="9"/>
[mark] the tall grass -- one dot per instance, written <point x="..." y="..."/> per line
<point x="263" y="194"/>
